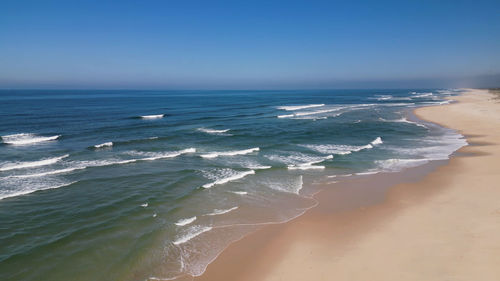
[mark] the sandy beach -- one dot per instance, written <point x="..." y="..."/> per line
<point x="442" y="226"/>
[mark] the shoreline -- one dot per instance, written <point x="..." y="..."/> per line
<point x="329" y="242"/>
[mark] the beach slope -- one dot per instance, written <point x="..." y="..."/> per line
<point x="445" y="226"/>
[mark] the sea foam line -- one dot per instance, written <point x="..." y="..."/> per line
<point x="31" y="164"/>
<point x="307" y="113"/>
<point x="230" y="153"/>
<point x="340" y="149"/>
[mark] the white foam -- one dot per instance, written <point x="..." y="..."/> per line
<point x="308" y="113"/>
<point x="421" y="95"/>
<point x="233" y="177"/>
<point x="106" y="144"/>
<point x="367" y="173"/>
<point x="341" y="149"/>
<point x="192" y="233"/>
<point x="27" y="139"/>
<point x="157" y="155"/>
<point x="153" y="116"/>
<point x="217" y="212"/>
<point x="377" y="141"/>
<point x="54" y="172"/>
<point x="404" y="120"/>
<point x="395" y="165"/>
<point x="239" y="192"/>
<point x="230" y="153"/>
<point x="183" y="222"/>
<point x="298" y="107"/>
<point x="23" y="188"/>
<point x="31" y="164"/>
<point x="214" y="132"/>
<point x="145" y="205"/>
<point x="289" y="185"/>
<point x="310" y="165"/>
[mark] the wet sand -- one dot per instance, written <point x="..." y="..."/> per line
<point x="405" y="226"/>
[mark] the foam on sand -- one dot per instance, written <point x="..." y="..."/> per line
<point x="217" y="212"/>
<point x="298" y="107"/>
<point x="183" y="222"/>
<point x="230" y="153"/>
<point x="396" y="165"/>
<point x="232" y="177"/>
<point x="289" y="185"/>
<point x="27" y="139"/>
<point x="102" y="145"/>
<point x="157" y="116"/>
<point x="192" y="232"/>
<point x="31" y="164"/>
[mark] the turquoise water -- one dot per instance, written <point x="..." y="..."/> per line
<point x="138" y="185"/>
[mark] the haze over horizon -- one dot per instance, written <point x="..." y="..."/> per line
<point x="254" y="45"/>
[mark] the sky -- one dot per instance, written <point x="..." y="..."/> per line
<point x="249" y="44"/>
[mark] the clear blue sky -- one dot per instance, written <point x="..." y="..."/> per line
<point x="248" y="44"/>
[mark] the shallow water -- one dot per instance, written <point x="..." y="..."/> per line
<point x="131" y="185"/>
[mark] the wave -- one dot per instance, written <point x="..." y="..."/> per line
<point x="217" y="212"/>
<point x="192" y="233"/>
<point x="145" y="205"/>
<point x="28" y="188"/>
<point x="232" y="177"/>
<point x="230" y="153"/>
<point x="340" y="149"/>
<point x="298" y="107"/>
<point x="27" y="138"/>
<point x="307" y="113"/>
<point x="54" y="172"/>
<point x="421" y="95"/>
<point x="157" y="116"/>
<point x="309" y="165"/>
<point x="404" y="120"/>
<point x="396" y="165"/>
<point x="214" y="132"/>
<point x="31" y="164"/>
<point x="106" y="144"/>
<point x="367" y="173"/>
<point x="290" y="185"/>
<point x="186" y="221"/>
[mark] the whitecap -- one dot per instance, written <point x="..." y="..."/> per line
<point x="106" y="144"/>
<point x="157" y="116"/>
<point x="27" y="138"/>
<point x="215" y="132"/>
<point x="230" y="153"/>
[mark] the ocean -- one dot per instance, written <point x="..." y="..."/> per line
<point x="153" y="185"/>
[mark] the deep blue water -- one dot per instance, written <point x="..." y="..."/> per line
<point x="131" y="185"/>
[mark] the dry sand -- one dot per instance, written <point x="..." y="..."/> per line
<point x="445" y="226"/>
